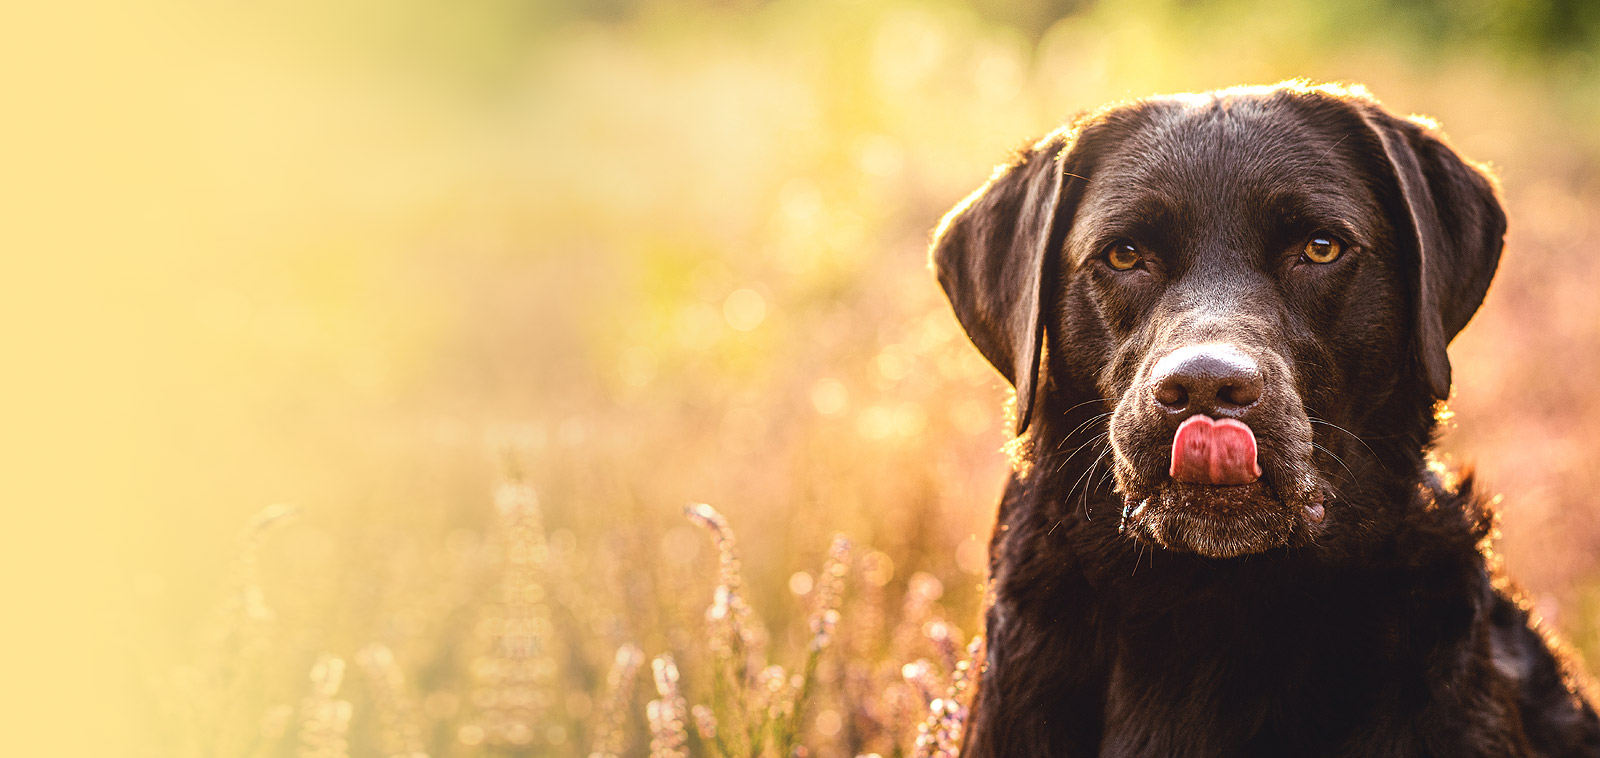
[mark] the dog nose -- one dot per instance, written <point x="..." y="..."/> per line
<point x="1210" y="379"/>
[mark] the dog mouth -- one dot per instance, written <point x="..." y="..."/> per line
<point x="1216" y="499"/>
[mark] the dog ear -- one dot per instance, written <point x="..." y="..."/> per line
<point x="993" y="254"/>
<point x="1454" y="212"/>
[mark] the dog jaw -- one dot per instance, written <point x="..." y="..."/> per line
<point x="1221" y="521"/>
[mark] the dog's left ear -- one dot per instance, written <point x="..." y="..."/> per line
<point x="1459" y="229"/>
<point x="993" y="256"/>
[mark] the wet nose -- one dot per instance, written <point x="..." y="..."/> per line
<point x="1214" y="379"/>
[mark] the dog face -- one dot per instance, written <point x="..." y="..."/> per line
<point x="1242" y="283"/>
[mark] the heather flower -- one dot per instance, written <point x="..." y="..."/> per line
<point x="943" y="637"/>
<point x="610" y="735"/>
<point x="824" y="620"/>
<point x="516" y="678"/>
<point x="705" y="723"/>
<point x="729" y="616"/>
<point x="939" y="735"/>
<point x="400" y="735"/>
<point x="668" y="734"/>
<point x="325" y="718"/>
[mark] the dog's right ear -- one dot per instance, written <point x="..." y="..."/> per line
<point x="994" y="255"/>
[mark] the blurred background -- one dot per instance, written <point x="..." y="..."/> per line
<point x="369" y="260"/>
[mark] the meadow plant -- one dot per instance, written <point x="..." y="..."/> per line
<point x="513" y="689"/>
<point x="939" y="736"/>
<point x="668" y="715"/>
<point x="324" y="716"/>
<point x="399" y="730"/>
<point x="610" y="737"/>
<point x="215" y="700"/>
<point x="760" y="713"/>
<point x="516" y="679"/>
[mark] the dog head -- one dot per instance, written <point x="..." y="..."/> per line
<point x="1243" y="286"/>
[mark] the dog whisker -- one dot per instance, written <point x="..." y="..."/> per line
<point x="1086" y="473"/>
<point x="1084" y="502"/>
<point x="1092" y="440"/>
<point x="1353" y="435"/>
<point x="1335" y="457"/>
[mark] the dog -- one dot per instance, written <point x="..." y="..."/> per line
<point x="1225" y="318"/>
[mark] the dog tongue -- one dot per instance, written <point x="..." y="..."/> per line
<point x="1214" y="451"/>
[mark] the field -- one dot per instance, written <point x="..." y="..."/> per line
<point x="427" y="323"/>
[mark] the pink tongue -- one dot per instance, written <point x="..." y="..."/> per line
<point x="1214" y="451"/>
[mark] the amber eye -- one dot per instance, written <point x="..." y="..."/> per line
<point x="1323" y="248"/>
<point x="1122" y="255"/>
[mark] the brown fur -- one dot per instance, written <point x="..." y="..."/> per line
<point x="1134" y="615"/>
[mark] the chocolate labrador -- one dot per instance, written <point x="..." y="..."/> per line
<point x="1225" y="317"/>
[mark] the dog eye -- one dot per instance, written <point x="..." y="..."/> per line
<point x="1123" y="255"/>
<point x="1323" y="248"/>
